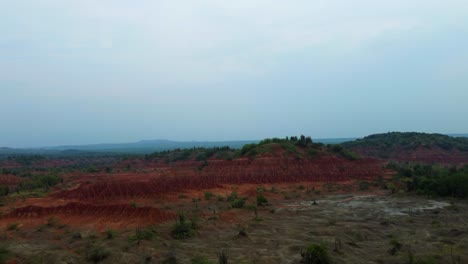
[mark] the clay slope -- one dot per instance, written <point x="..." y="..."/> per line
<point x="192" y="176"/>
<point x="114" y="212"/>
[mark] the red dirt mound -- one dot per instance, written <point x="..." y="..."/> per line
<point x="220" y="172"/>
<point x="116" y="212"/>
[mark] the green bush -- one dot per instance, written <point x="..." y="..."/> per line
<point x="238" y="203"/>
<point x="363" y="185"/>
<point x="232" y="196"/>
<point x="144" y="234"/>
<point x="200" y="260"/>
<point x="4" y="190"/>
<point x="183" y="228"/>
<point x="12" y="227"/>
<point x="223" y="258"/>
<point x="261" y="200"/>
<point x="5" y="254"/>
<point x="208" y="196"/>
<point x="110" y="234"/>
<point x="395" y="246"/>
<point x="170" y="259"/>
<point x="316" y="254"/>
<point x="235" y="200"/>
<point x="425" y="260"/>
<point x="98" y="254"/>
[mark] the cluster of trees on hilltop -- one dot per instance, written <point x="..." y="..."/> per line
<point x="410" y="140"/>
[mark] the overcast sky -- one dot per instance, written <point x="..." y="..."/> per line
<point x="93" y="71"/>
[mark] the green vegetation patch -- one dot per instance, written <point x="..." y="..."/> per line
<point x="433" y="180"/>
<point x="184" y="228"/>
<point x="316" y="254"/>
<point x="409" y="140"/>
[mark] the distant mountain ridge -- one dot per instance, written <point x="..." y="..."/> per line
<point x="149" y="146"/>
<point x="140" y="147"/>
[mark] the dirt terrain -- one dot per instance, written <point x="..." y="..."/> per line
<point x="126" y="210"/>
<point x="358" y="227"/>
<point x="183" y="176"/>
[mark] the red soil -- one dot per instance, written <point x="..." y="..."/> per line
<point x="186" y="176"/>
<point x="76" y="211"/>
<point x="110" y="193"/>
<point x="9" y="180"/>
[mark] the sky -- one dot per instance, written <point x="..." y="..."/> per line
<point x="95" y="71"/>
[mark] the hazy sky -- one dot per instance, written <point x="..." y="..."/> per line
<point x="92" y="71"/>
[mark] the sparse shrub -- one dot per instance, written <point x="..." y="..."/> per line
<point x="98" y="254"/>
<point x="170" y="259"/>
<point x="52" y="222"/>
<point x="312" y="152"/>
<point x="436" y="224"/>
<point x="4" y="190"/>
<point x="242" y="232"/>
<point x="92" y="169"/>
<point x="316" y="254"/>
<point x="76" y="235"/>
<point x="426" y="260"/>
<point x="331" y="222"/>
<point x="143" y="234"/>
<point x="110" y="234"/>
<point x="395" y="246"/>
<point x="231" y="196"/>
<point x="208" y="196"/>
<point x="363" y="185"/>
<point x="133" y="205"/>
<point x="12" y="227"/>
<point x="200" y="260"/>
<point x="453" y="207"/>
<point x="5" y="254"/>
<point x="223" y="258"/>
<point x="238" y="203"/>
<point x="183" y="228"/>
<point x="182" y="196"/>
<point x="261" y="200"/>
<point x="220" y="198"/>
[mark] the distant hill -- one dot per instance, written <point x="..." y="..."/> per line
<point x="149" y="146"/>
<point x="292" y="148"/>
<point x="140" y="147"/>
<point x="412" y="146"/>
